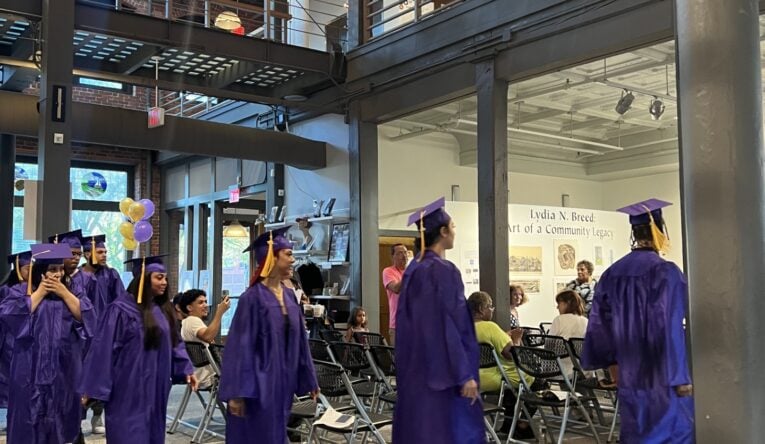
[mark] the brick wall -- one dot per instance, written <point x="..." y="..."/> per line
<point x="27" y="146"/>
<point x="140" y="100"/>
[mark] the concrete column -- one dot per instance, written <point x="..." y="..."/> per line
<point x="7" y="176"/>
<point x="364" y="255"/>
<point x="55" y="129"/>
<point x="720" y="91"/>
<point x="492" y="188"/>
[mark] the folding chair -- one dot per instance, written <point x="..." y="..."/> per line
<point x="486" y="360"/>
<point x="545" y="327"/>
<point x="367" y="338"/>
<point x="334" y="383"/>
<point x="354" y="360"/>
<point x="542" y="363"/>
<point x="320" y="350"/>
<point x="590" y="385"/>
<point x="202" y="355"/>
<point x="383" y="360"/>
<point x="331" y="335"/>
<point x="532" y="337"/>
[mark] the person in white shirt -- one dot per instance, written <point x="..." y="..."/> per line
<point x="193" y="303"/>
<point x="571" y="322"/>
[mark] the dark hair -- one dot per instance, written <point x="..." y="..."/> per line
<point x="38" y="270"/>
<point x="432" y="236"/>
<point x="12" y="278"/>
<point x="177" y="299"/>
<point x="573" y="302"/>
<point x="642" y="232"/>
<point x="393" y="248"/>
<point x="151" y="331"/>
<point x="352" y="317"/>
<point x="188" y="297"/>
<point x="477" y="301"/>
<point x="587" y="264"/>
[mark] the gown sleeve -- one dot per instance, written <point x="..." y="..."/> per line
<point x="238" y="378"/>
<point x="106" y="346"/>
<point x="87" y="325"/>
<point x="599" y="349"/>
<point x="448" y="364"/>
<point x="306" y="381"/>
<point x="675" y="290"/>
<point x="16" y="309"/>
<point x="181" y="363"/>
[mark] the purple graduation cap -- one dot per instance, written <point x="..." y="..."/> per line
<point x="72" y="238"/>
<point x="266" y="246"/>
<point x="143" y="266"/>
<point x="429" y="218"/>
<point x="639" y="212"/>
<point x="48" y="254"/>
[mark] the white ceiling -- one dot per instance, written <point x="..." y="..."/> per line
<point x="565" y="123"/>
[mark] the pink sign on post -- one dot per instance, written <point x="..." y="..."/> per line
<point x="233" y="194"/>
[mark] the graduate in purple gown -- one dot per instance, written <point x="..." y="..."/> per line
<point x="50" y="326"/>
<point x="17" y="276"/>
<point x="134" y="356"/>
<point x="437" y="354"/>
<point x="83" y="283"/>
<point x="267" y="359"/>
<point x="636" y="330"/>
<point x="108" y="282"/>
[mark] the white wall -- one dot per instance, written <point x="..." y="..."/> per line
<point x="303" y="186"/>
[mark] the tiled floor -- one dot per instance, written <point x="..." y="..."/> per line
<point x="194" y="413"/>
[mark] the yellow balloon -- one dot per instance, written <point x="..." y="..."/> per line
<point x="136" y="211"/>
<point x="125" y="205"/>
<point x="129" y="244"/>
<point x="127" y="230"/>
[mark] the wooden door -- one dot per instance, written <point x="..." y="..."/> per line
<point x="385" y="244"/>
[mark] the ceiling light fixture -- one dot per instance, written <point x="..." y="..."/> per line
<point x="235" y="229"/>
<point x="656" y="109"/>
<point x="625" y="102"/>
<point x="228" y="21"/>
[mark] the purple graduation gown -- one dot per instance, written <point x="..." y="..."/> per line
<point x="436" y="355"/>
<point x="636" y="322"/>
<point x="44" y="404"/>
<point x="86" y="282"/>
<point x="108" y="286"/>
<point x="265" y="363"/>
<point x="134" y="383"/>
<point x="6" y="353"/>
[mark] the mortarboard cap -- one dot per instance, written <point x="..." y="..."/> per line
<point x="144" y="265"/>
<point x="72" y="238"/>
<point x="639" y="212"/>
<point x="46" y="254"/>
<point x="429" y="218"/>
<point x="266" y="246"/>
<point x="20" y="260"/>
<point x="98" y="239"/>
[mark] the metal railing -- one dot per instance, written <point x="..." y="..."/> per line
<point x="188" y="104"/>
<point x="322" y="26"/>
<point x="383" y="16"/>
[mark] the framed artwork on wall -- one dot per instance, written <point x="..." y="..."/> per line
<point x="339" y="242"/>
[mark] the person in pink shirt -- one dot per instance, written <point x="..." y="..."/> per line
<point x="391" y="278"/>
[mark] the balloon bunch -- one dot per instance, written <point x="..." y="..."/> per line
<point x="136" y="228"/>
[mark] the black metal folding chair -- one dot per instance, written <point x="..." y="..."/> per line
<point x="331" y="335"/>
<point x="542" y="363"/>
<point x="320" y="350"/>
<point x="545" y="327"/>
<point x="202" y="355"/>
<point x="486" y="360"/>
<point x="383" y="360"/>
<point x="368" y="338"/>
<point x="354" y="360"/>
<point x="532" y="337"/>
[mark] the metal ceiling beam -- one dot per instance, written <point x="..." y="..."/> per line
<point x="27" y="8"/>
<point x="139" y="58"/>
<point x="102" y="125"/>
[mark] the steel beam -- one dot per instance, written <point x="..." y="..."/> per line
<point x="364" y="184"/>
<point x="55" y="119"/>
<point x="7" y="178"/>
<point x="723" y="189"/>
<point x="105" y="125"/>
<point x="492" y="187"/>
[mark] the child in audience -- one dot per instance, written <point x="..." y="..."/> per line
<point x="357" y="321"/>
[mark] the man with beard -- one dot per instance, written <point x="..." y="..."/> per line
<point x="193" y="329"/>
<point x="106" y="286"/>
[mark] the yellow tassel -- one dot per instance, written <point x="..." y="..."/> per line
<point x="270" y="260"/>
<point x="29" y="280"/>
<point x="140" y="282"/>
<point x="660" y="240"/>
<point x="93" y="251"/>
<point x="18" y="269"/>
<point x="422" y="236"/>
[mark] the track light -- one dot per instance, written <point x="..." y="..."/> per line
<point x="625" y="102"/>
<point x="656" y="109"/>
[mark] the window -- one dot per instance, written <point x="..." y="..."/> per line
<point x="236" y="274"/>
<point x="96" y="192"/>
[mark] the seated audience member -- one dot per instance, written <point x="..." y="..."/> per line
<point x="570" y="323"/>
<point x="584" y="284"/>
<point x="193" y="304"/>
<point x="489" y="332"/>
<point x="179" y="314"/>
<point x="357" y="321"/>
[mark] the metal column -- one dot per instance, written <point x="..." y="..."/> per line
<point x="720" y="91"/>
<point x="7" y="179"/>
<point x="492" y="188"/>
<point x="55" y="130"/>
<point x="365" y="261"/>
